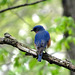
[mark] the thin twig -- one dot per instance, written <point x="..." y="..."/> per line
<point x="22" y="5"/>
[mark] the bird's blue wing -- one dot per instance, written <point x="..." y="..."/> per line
<point x="42" y="36"/>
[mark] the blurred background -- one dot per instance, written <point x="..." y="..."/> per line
<point x="56" y="16"/>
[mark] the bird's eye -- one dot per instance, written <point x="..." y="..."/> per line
<point x="35" y="29"/>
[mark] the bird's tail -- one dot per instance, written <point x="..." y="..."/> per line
<point x="40" y="57"/>
<point x="40" y="53"/>
<point x="41" y="47"/>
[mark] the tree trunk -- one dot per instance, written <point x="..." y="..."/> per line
<point x="69" y="11"/>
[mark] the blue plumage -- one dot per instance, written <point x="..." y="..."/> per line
<point x="42" y="38"/>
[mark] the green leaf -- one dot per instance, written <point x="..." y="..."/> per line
<point x="69" y="39"/>
<point x="66" y="44"/>
<point x="17" y="63"/>
<point x="32" y="63"/>
<point x="3" y="2"/>
<point x="57" y="19"/>
<point x="2" y="58"/>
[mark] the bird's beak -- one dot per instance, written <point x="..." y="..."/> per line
<point x="32" y="30"/>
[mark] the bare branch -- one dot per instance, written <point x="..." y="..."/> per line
<point x="8" y="39"/>
<point x="22" y="5"/>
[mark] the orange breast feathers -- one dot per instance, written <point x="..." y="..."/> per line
<point x="49" y="43"/>
<point x="35" y="45"/>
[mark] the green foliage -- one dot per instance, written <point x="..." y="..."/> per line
<point x="3" y="2"/>
<point x="17" y="63"/>
<point x="65" y="24"/>
<point x="3" y="55"/>
<point x="32" y="63"/>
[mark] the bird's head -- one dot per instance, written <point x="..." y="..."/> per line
<point x="37" y="28"/>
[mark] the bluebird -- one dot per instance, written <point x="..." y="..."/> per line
<point x="42" y="40"/>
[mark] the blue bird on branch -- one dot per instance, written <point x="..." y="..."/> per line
<point x="42" y="40"/>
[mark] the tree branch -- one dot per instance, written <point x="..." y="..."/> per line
<point x="22" y="5"/>
<point x="8" y="39"/>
